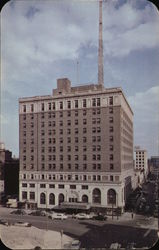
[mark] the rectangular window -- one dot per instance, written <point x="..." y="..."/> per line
<point x="61" y="105"/>
<point x="42" y="185"/>
<point x="84" y="130"/>
<point x="98" y="101"/>
<point x="76" y="139"/>
<point x="111" y="110"/>
<point x="68" y="139"/>
<point x="84" y="166"/>
<point x="84" y="103"/>
<point x="32" y="195"/>
<point x="24" y="108"/>
<point x="111" y="100"/>
<point x="76" y="103"/>
<point x="42" y="107"/>
<point x="49" y="106"/>
<point x="72" y="186"/>
<point x="111" y="178"/>
<point x="94" y="102"/>
<point x="24" y="195"/>
<point x="84" y="112"/>
<point x="53" y="106"/>
<point x="68" y="104"/>
<point x="111" y="166"/>
<point x="84" y="139"/>
<point x="69" y="113"/>
<point x="84" y="148"/>
<point x="61" y="186"/>
<point x="76" y="130"/>
<point x="24" y="184"/>
<point x="32" y="107"/>
<point x="84" y="186"/>
<point x="76" y="113"/>
<point x="51" y="185"/>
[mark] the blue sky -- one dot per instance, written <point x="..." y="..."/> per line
<point x="43" y="39"/>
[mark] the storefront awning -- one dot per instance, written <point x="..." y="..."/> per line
<point x="75" y="205"/>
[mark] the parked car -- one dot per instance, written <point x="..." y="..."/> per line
<point x="75" y="244"/>
<point x="38" y="213"/>
<point x="58" y="216"/>
<point x="82" y="216"/>
<point x="19" y="212"/>
<point x="115" y="245"/>
<point x="100" y="217"/>
<point x="130" y="245"/>
<point x="4" y="222"/>
<point x="22" y="224"/>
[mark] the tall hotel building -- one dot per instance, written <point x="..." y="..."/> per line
<point x="76" y="145"/>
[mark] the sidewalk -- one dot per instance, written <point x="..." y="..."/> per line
<point x="137" y="220"/>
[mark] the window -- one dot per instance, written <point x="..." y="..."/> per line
<point x="72" y="186"/>
<point x="111" y="147"/>
<point x="61" y="186"/>
<point x="84" y="157"/>
<point x="76" y="139"/>
<point x="52" y="199"/>
<point x="98" y="101"/>
<point x="84" y="103"/>
<point x="32" y="195"/>
<point x="24" y="108"/>
<point x="98" y="120"/>
<point x="76" y="103"/>
<point x="76" y="130"/>
<point x="76" y="177"/>
<point x="69" y="113"/>
<point x="84" y="121"/>
<point x="98" y="148"/>
<point x="42" y="116"/>
<point x="42" y="107"/>
<point x="111" y="119"/>
<point x="76" y="122"/>
<point x="24" y="157"/>
<point x="42" y="185"/>
<point x="98" y="138"/>
<point x="98" y="157"/>
<point x="24" y="184"/>
<point x="69" y="166"/>
<point x="76" y="148"/>
<point x="93" y="130"/>
<point x="93" y="102"/>
<point x="24" y="195"/>
<point x="98" y="129"/>
<point x="69" y="157"/>
<point x="84" y="130"/>
<point x="61" y="114"/>
<point x="61" y="105"/>
<point x="98" y="111"/>
<point x="49" y="106"/>
<point x="68" y="104"/>
<point x="111" y="138"/>
<point x="111" y="100"/>
<point x="111" y="166"/>
<point x="93" y="157"/>
<point x="111" y="178"/>
<point x="84" y="177"/>
<point x="111" y="129"/>
<point x="61" y="131"/>
<point x="84" y="166"/>
<point x="32" y="107"/>
<point x="99" y="166"/>
<point x="84" y="186"/>
<point x="76" y="157"/>
<point x="51" y="185"/>
<point x="93" y="139"/>
<point x="68" y="122"/>
<point x="61" y="157"/>
<point x="84" y="139"/>
<point x="24" y="125"/>
<point x="68" y="139"/>
<point x="61" y="148"/>
<point x="111" y="157"/>
<point x="111" y="110"/>
<point x="53" y="106"/>
<point x="68" y="148"/>
<point x="84" y="112"/>
<point x="84" y="148"/>
<point x="42" y="198"/>
<point x="76" y="113"/>
<point x="94" y="121"/>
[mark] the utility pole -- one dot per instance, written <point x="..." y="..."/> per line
<point x="100" y="48"/>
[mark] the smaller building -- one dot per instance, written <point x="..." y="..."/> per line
<point x="154" y="164"/>
<point x="141" y="161"/>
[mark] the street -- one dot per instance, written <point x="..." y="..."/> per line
<point x="95" y="233"/>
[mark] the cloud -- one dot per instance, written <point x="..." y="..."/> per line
<point x="145" y="106"/>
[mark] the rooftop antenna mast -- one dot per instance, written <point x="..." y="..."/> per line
<point x="100" y="48"/>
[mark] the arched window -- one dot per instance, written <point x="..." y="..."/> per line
<point x="61" y="198"/>
<point x="96" y="196"/>
<point x="111" y="196"/>
<point x="52" y="199"/>
<point x="42" y="198"/>
<point x="85" y="198"/>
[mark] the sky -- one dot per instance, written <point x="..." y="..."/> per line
<point x="42" y="40"/>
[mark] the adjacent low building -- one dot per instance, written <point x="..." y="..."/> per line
<point x="76" y="145"/>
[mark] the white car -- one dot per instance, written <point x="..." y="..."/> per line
<point x="58" y="216"/>
<point x="82" y="216"/>
<point x="22" y="224"/>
